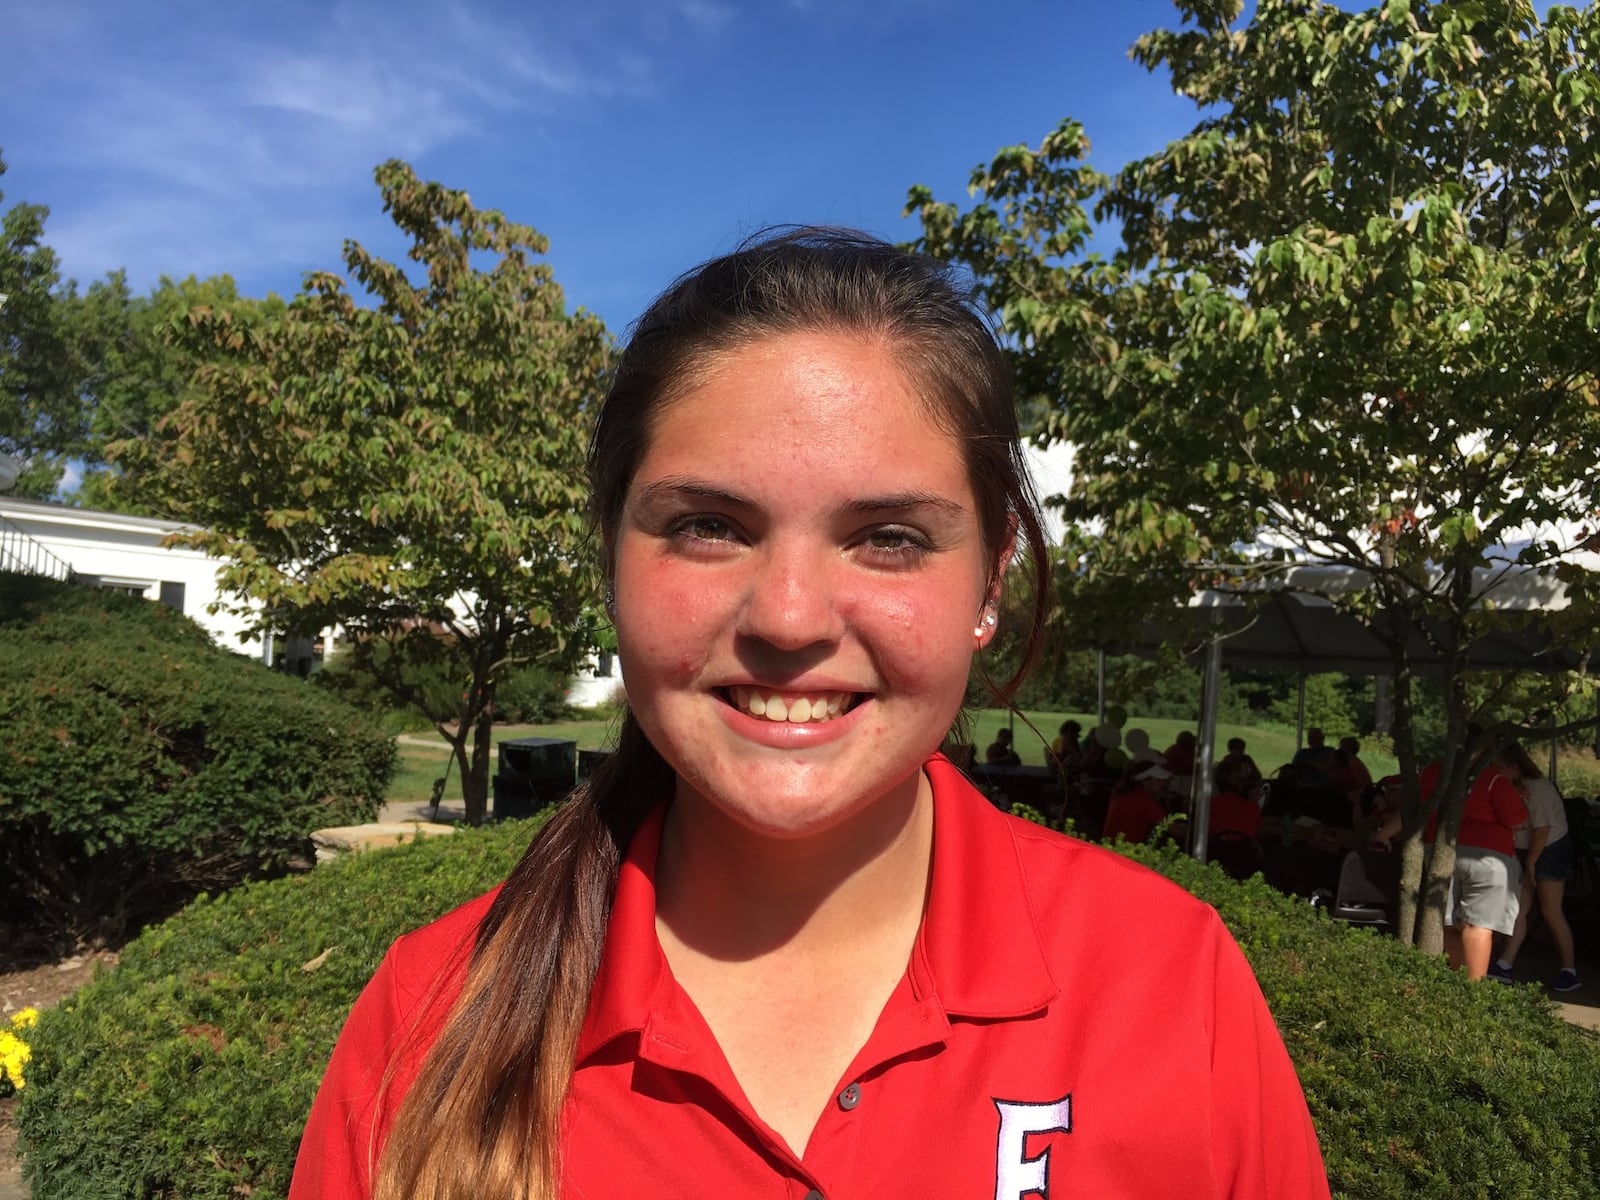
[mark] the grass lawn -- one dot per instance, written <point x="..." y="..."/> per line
<point x="421" y="764"/>
<point x="1270" y="746"/>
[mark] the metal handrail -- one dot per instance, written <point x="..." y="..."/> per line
<point x="20" y="552"/>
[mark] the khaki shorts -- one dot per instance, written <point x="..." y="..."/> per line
<point x="1484" y="890"/>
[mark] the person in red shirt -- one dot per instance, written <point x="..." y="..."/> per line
<point x="1179" y="757"/>
<point x="1487" y="880"/>
<point x="1349" y="775"/>
<point x="1137" y="807"/>
<point x="777" y="945"/>
<point x="1232" y="810"/>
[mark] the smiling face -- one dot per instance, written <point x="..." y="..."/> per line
<point x="799" y="572"/>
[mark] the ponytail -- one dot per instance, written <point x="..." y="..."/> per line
<point x="483" y="1117"/>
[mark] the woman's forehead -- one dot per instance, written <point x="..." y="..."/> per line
<point x="828" y="404"/>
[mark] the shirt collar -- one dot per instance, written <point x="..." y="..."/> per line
<point x="979" y="948"/>
<point x="978" y="953"/>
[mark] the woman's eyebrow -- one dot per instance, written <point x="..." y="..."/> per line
<point x="904" y="501"/>
<point x="672" y="486"/>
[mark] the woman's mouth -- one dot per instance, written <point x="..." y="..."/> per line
<point x="797" y="708"/>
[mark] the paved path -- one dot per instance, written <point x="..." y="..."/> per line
<point x="417" y="810"/>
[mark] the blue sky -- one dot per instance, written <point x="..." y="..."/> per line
<point x="182" y="137"/>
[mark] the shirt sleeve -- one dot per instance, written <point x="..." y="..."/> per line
<point x="1264" y="1146"/>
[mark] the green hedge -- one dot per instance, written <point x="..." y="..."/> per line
<point x="141" y="763"/>
<point x="188" y="1070"/>
<point x="1421" y="1083"/>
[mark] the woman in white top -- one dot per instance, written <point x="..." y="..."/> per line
<point x="1546" y="852"/>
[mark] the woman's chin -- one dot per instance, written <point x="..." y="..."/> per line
<point x="790" y="805"/>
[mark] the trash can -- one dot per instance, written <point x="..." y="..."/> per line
<point x="532" y="773"/>
<point x="588" y="760"/>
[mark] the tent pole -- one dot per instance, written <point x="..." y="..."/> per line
<point x="1300" y="716"/>
<point x="1100" y="687"/>
<point x="1552" y="771"/>
<point x="1200" y="804"/>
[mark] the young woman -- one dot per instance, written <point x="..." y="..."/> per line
<point x="1546" y="854"/>
<point x="781" y="947"/>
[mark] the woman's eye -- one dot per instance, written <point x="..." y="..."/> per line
<point x="702" y="529"/>
<point x="895" y="544"/>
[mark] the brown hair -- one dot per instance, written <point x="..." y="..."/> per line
<point x="483" y="1117"/>
<point x="1516" y="753"/>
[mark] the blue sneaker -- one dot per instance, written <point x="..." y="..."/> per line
<point x="1502" y="974"/>
<point x="1566" y="981"/>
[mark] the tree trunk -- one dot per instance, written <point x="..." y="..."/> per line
<point x="1436" y="894"/>
<point x="1411" y="908"/>
<point x="1409" y="917"/>
<point x="478" y="713"/>
<point x="475" y="781"/>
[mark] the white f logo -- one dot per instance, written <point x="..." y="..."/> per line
<point x="1016" y="1176"/>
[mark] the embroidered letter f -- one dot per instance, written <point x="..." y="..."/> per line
<point x="1016" y="1176"/>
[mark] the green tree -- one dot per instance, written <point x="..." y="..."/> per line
<point x="1351" y="319"/>
<point x="141" y="366"/>
<point x="42" y="416"/>
<point x="410" y="468"/>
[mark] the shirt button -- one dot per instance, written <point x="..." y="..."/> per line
<point x="849" y="1098"/>
<point x="813" y="1194"/>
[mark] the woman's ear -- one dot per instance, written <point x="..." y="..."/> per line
<point x="1002" y="562"/>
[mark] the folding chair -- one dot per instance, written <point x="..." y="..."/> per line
<point x="1360" y="898"/>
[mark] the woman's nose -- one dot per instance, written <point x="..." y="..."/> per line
<point x="792" y="599"/>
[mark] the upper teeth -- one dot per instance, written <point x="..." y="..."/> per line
<point x="776" y="706"/>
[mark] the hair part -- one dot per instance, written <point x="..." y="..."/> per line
<point x="483" y="1116"/>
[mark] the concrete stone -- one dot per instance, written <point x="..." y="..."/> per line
<point x="354" y="839"/>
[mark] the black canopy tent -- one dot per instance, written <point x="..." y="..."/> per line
<point x="1289" y="623"/>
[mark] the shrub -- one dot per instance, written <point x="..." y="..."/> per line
<point x="1577" y="770"/>
<point x="189" y="1068"/>
<point x="378" y="674"/>
<point x="142" y="763"/>
<point x="356" y="676"/>
<point x="1421" y="1083"/>
<point x="532" y="695"/>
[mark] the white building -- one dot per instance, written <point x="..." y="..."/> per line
<point x="126" y="554"/>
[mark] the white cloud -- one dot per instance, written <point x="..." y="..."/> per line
<point x="708" y="16"/>
<point x="221" y="136"/>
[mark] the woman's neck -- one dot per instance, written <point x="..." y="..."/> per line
<point x="729" y="893"/>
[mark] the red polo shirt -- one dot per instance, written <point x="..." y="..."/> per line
<point x="1489" y="816"/>
<point x="1070" y="1024"/>
<point x="1231" y="812"/>
<point x="1131" y="814"/>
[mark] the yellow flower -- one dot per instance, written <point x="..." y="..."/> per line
<point x="14" y="1055"/>
<point x="14" y="1052"/>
